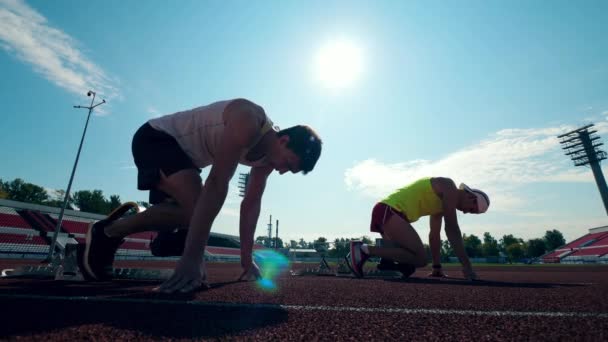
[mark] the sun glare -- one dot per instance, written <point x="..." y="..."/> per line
<point x="338" y="64"/>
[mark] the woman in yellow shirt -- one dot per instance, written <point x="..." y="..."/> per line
<point x="437" y="197"/>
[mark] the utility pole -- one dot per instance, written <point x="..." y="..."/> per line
<point x="67" y="193"/>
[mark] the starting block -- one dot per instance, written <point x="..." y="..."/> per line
<point x="64" y="264"/>
<point x="49" y="272"/>
<point x="344" y="270"/>
<point x="65" y="267"/>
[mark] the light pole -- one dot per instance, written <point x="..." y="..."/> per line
<point x="67" y="193"/>
<point x="583" y="148"/>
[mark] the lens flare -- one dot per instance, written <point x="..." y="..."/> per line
<point x="271" y="265"/>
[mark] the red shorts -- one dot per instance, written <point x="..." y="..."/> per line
<point x="380" y="214"/>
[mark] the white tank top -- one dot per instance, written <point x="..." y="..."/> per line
<point x="199" y="132"/>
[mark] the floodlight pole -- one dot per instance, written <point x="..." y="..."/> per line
<point x="594" y="162"/>
<point x="67" y="193"/>
<point x="583" y="149"/>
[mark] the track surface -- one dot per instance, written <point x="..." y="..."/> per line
<point x="544" y="303"/>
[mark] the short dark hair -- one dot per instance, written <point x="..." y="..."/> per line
<point x="305" y="143"/>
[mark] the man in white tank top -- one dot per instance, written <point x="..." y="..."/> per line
<point x="171" y="150"/>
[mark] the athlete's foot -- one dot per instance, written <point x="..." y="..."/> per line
<point x="387" y="265"/>
<point x="357" y="257"/>
<point x="99" y="252"/>
<point x="390" y="265"/>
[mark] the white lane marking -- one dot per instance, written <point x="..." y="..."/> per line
<point x="311" y="307"/>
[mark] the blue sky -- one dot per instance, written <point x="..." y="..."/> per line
<point x="475" y="90"/>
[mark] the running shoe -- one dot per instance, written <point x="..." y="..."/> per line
<point x="99" y="252"/>
<point x="357" y="258"/>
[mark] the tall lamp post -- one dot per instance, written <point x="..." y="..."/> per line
<point x="583" y="148"/>
<point x="67" y="193"/>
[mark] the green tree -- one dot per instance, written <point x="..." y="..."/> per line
<point x="263" y="240"/>
<point x="508" y="240"/>
<point x="553" y="239"/>
<point x="514" y="251"/>
<point x="321" y="245"/>
<point x="366" y="239"/>
<point x="144" y="204"/>
<point x="535" y="248"/>
<point x="427" y="251"/>
<point x="340" y="249"/>
<point x="278" y="241"/>
<point x="57" y="201"/>
<point x="446" y="251"/>
<point x="472" y="245"/>
<point x="91" y="202"/>
<point x="489" y="246"/>
<point x="293" y="244"/>
<point x="3" y="191"/>
<point x="114" y="203"/>
<point x="302" y="243"/>
<point x="21" y="191"/>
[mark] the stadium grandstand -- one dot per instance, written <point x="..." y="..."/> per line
<point x="26" y="232"/>
<point x="590" y="248"/>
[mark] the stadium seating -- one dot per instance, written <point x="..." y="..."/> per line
<point x="589" y="248"/>
<point x="26" y="231"/>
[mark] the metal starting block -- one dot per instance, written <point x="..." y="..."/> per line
<point x="50" y="272"/>
<point x="344" y="270"/>
<point x="64" y="266"/>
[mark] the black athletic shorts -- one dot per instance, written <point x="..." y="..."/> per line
<point x="154" y="150"/>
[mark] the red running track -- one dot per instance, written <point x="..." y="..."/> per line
<point x="541" y="303"/>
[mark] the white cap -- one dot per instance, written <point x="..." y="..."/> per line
<point x="483" y="201"/>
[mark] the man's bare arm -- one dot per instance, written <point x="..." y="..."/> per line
<point x="250" y="211"/>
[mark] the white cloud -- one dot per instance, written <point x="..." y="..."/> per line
<point x="232" y="212"/>
<point x="500" y="165"/>
<point x="27" y="34"/>
<point x="153" y="112"/>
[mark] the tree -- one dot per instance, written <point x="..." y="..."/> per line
<point x="514" y="251"/>
<point x="446" y="251"/>
<point x="427" y="251"/>
<point x="58" y="200"/>
<point x="19" y="190"/>
<point x="366" y="239"/>
<point x="553" y="239"/>
<point x="293" y="244"/>
<point x="472" y="245"/>
<point x="302" y="243"/>
<point x="263" y="240"/>
<point x="321" y="245"/>
<point x="91" y="202"/>
<point x="114" y="203"/>
<point x="490" y="245"/>
<point x="3" y="192"/>
<point x="144" y="204"/>
<point x="341" y="248"/>
<point x="278" y="241"/>
<point x="508" y="240"/>
<point x="535" y="248"/>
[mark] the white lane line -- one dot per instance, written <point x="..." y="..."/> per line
<point x="312" y="307"/>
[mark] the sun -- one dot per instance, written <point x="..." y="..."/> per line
<point x="338" y="64"/>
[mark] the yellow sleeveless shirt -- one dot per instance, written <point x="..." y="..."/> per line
<point x="415" y="200"/>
